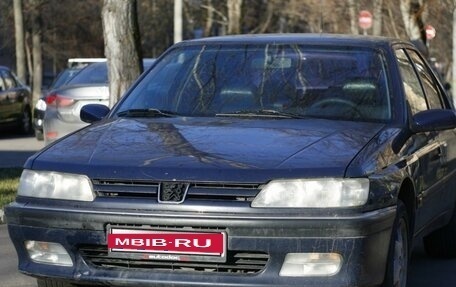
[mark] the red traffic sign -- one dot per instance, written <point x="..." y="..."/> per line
<point x="430" y="32"/>
<point x="365" y="19"/>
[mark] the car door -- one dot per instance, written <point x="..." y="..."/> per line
<point x="15" y="96"/>
<point x="437" y="99"/>
<point x="4" y="101"/>
<point x="426" y="148"/>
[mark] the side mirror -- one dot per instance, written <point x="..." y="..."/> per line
<point x="93" y="113"/>
<point x="434" y="120"/>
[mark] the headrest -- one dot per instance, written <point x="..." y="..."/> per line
<point x="360" y="90"/>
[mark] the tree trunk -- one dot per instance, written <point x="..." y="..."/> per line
<point x="377" y="21"/>
<point x="20" y="45"/>
<point x="28" y="54"/>
<point x="177" y="21"/>
<point x="36" y="50"/>
<point x="234" y="16"/>
<point x="353" y="10"/>
<point x="220" y="25"/>
<point x="270" y="12"/>
<point x="122" y="45"/>
<point x="209" y="19"/>
<point x="453" y="70"/>
<point x="391" y="16"/>
<point x="410" y="19"/>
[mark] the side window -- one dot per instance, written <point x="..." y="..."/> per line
<point x="433" y="93"/>
<point x="10" y="82"/>
<point x="412" y="86"/>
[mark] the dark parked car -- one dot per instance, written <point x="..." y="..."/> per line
<point x="40" y="106"/>
<point x="279" y="160"/>
<point x="15" y="103"/>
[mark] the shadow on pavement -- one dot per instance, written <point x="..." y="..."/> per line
<point x="11" y="136"/>
<point x="426" y="271"/>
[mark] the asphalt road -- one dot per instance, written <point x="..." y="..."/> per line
<point x="424" y="271"/>
<point x="9" y="276"/>
<point x="14" y="150"/>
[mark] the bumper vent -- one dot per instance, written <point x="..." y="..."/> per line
<point x="238" y="262"/>
<point x="196" y="191"/>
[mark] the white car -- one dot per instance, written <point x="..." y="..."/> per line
<point x="89" y="86"/>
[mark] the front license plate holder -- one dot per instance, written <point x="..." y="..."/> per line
<point x="166" y="245"/>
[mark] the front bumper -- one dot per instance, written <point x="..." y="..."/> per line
<point x="362" y="240"/>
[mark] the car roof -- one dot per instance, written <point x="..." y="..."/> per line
<point x="146" y="61"/>
<point x="305" y="38"/>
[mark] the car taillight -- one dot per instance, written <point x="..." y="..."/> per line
<point x="57" y="100"/>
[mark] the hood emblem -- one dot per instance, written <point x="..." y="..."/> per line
<point x="172" y="192"/>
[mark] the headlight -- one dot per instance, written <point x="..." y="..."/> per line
<point x="55" y="185"/>
<point x="40" y="105"/>
<point x="317" y="193"/>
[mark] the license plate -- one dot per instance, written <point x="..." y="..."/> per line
<point x="167" y="245"/>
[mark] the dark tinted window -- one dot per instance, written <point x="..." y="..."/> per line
<point x="97" y="73"/>
<point x="337" y="83"/>
<point x="412" y="86"/>
<point x="92" y="74"/>
<point x="64" y="77"/>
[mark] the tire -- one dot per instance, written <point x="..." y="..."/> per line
<point x="441" y="243"/>
<point x="39" y="135"/>
<point x="54" y="283"/>
<point x="399" y="250"/>
<point x="25" y="123"/>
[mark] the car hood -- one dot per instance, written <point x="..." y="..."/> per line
<point x="209" y="149"/>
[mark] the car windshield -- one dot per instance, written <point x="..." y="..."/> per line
<point x="271" y="80"/>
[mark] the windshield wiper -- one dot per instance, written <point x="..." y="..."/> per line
<point x="261" y="113"/>
<point x="146" y="113"/>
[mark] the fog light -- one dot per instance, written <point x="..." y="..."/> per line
<point x="311" y="264"/>
<point x="48" y="253"/>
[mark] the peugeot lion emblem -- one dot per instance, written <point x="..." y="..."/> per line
<point x="172" y="192"/>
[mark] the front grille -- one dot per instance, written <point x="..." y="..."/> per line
<point x="238" y="262"/>
<point x="196" y="190"/>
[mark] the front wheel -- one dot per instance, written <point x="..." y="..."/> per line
<point x="398" y="255"/>
<point x="25" y="123"/>
<point x="39" y="135"/>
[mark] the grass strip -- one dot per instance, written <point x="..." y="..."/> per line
<point x="9" y="181"/>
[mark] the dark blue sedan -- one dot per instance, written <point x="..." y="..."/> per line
<point x="278" y="160"/>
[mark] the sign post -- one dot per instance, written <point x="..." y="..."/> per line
<point x="365" y="20"/>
